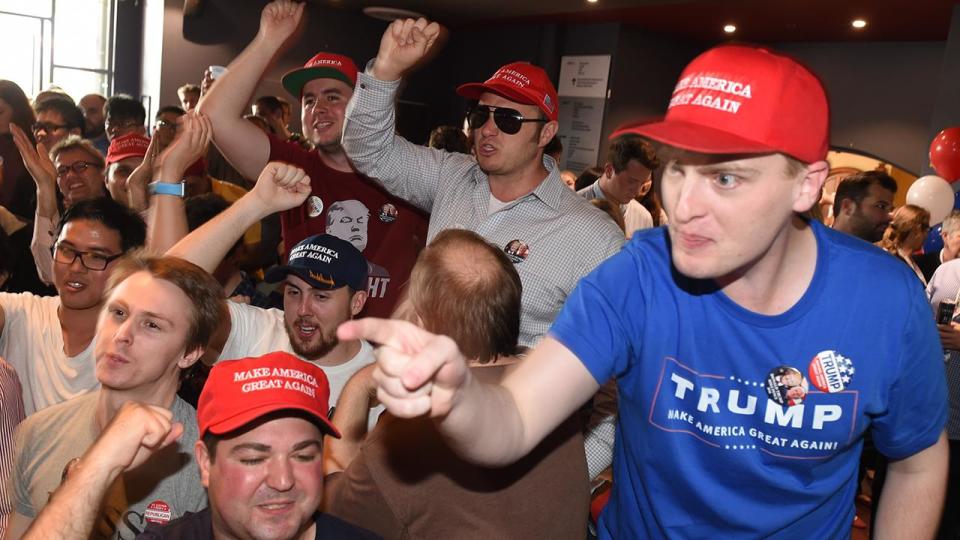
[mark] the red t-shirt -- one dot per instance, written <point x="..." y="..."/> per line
<point x="390" y="232"/>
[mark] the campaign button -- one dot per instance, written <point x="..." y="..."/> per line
<point x="830" y="371"/>
<point x="314" y="206"/>
<point x="158" y="512"/>
<point x="786" y="385"/>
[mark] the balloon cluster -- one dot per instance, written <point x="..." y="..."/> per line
<point x="935" y="192"/>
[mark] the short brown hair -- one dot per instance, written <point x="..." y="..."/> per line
<point x="205" y="294"/>
<point x="630" y="147"/>
<point x="465" y="288"/>
<point x="76" y="142"/>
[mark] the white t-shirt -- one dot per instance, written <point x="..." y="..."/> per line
<point x="256" y="331"/>
<point x="32" y="342"/>
<point x="636" y="217"/>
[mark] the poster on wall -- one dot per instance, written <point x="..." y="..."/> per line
<point x="583" y="95"/>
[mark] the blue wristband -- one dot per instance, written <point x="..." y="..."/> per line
<point x="163" y="188"/>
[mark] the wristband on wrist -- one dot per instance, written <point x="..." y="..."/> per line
<point x="164" y="188"/>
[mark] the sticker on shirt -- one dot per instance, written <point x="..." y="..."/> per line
<point x="830" y="371"/>
<point x="314" y="206"/>
<point x="388" y="213"/>
<point x="158" y="512"/>
<point x="786" y="385"/>
<point x="517" y="251"/>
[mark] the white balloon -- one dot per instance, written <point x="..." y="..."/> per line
<point x="933" y="193"/>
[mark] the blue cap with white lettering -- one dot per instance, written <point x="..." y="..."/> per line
<point x="325" y="262"/>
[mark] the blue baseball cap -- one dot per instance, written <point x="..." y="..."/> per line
<point x="325" y="262"/>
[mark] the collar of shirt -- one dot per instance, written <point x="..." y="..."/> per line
<point x="550" y="190"/>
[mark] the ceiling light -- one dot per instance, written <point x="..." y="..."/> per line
<point x="592" y="1"/>
<point x="858" y="23"/>
<point x="729" y="28"/>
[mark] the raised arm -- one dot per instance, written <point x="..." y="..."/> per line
<point x="167" y="222"/>
<point x="136" y="433"/>
<point x="242" y="143"/>
<point x="41" y="168"/>
<point x="419" y="373"/>
<point x="279" y="187"/>
<point x="409" y="171"/>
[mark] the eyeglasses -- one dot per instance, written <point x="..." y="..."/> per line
<point x="78" y="167"/>
<point x="91" y="261"/>
<point x="46" y="127"/>
<point x="507" y="120"/>
<point x="163" y="124"/>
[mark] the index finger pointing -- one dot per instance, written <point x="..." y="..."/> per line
<point x="400" y="335"/>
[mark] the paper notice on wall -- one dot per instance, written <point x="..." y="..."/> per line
<point x="583" y="97"/>
<point x="584" y="76"/>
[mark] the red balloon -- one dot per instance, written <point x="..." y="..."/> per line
<point x="945" y="154"/>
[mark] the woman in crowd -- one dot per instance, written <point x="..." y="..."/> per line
<point x="906" y="234"/>
<point x="17" y="191"/>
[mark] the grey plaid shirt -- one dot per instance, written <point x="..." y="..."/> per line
<point x="557" y="235"/>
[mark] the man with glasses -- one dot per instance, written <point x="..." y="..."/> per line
<point x="124" y="115"/>
<point x="165" y="126"/>
<point x="49" y="340"/>
<point x="56" y="120"/>
<point x="396" y="229"/>
<point x="511" y="194"/>
<point x="862" y="205"/>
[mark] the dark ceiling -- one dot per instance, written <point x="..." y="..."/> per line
<point x="756" y="20"/>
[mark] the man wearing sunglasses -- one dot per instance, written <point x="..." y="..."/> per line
<point x="511" y="194"/>
<point x="49" y="340"/>
<point x="396" y="229"/>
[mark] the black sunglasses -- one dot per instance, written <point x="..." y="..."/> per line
<point x="507" y="120"/>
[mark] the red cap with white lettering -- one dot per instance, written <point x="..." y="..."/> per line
<point x="521" y="82"/>
<point x="736" y="99"/>
<point x="238" y="392"/>
<point x="323" y="65"/>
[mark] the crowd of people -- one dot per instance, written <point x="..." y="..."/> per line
<point x="227" y="328"/>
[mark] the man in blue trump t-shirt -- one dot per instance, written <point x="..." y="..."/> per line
<point x="753" y="349"/>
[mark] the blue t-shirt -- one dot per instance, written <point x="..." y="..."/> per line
<point x="740" y="425"/>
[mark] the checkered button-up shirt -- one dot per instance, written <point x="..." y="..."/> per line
<point x="945" y="285"/>
<point x="554" y="236"/>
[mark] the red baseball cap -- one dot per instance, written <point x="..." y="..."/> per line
<point x="737" y="99"/>
<point x="238" y="392"/>
<point x="521" y="82"/>
<point x="323" y="65"/>
<point x="129" y="145"/>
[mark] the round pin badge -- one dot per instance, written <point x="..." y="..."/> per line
<point x="830" y="371"/>
<point x="517" y="251"/>
<point x="157" y="512"/>
<point x="314" y="206"/>
<point x="786" y="386"/>
<point x="388" y="213"/>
